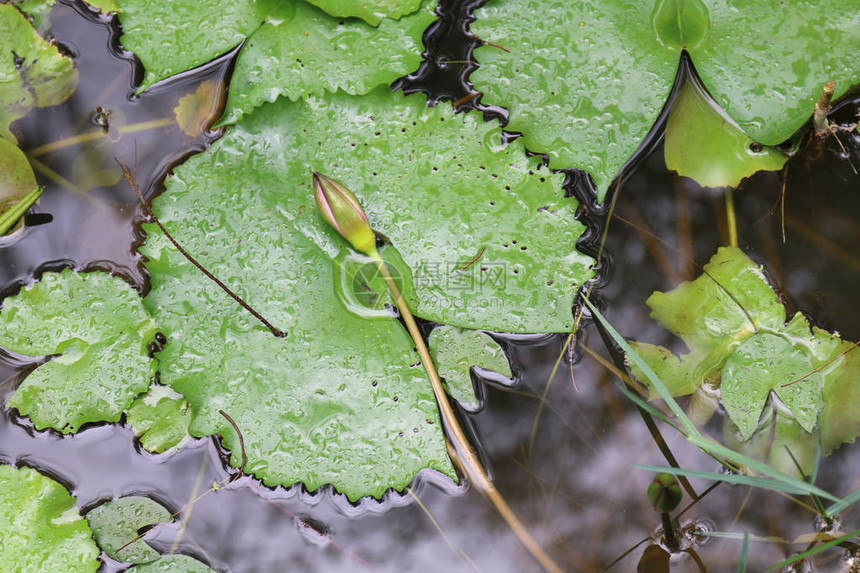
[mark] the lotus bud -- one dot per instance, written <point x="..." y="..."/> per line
<point x="664" y="492"/>
<point x="339" y="208"/>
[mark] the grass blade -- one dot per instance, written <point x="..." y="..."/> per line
<point x="815" y="550"/>
<point x="844" y="503"/>
<point x="741" y="479"/>
<point x="742" y="562"/>
<point x="655" y="380"/>
<point x="800" y="486"/>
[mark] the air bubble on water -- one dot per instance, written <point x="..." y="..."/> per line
<point x="699" y="531"/>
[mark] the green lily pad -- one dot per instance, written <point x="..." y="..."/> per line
<point x="338" y="382"/>
<point x="763" y="363"/>
<point x="105" y="6"/>
<point x="585" y="81"/>
<point x="313" y="52"/>
<point x="18" y="188"/>
<point x="371" y="11"/>
<point x="717" y="152"/>
<point x="40" y="527"/>
<point x="456" y="350"/>
<point x="99" y="330"/>
<point x="116" y="525"/>
<point x="173" y="564"/>
<point x="734" y="326"/>
<point x="160" y="419"/>
<point x="33" y="73"/>
<point x="291" y="48"/>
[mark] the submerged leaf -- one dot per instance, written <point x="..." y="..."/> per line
<point x="586" y="80"/>
<point x="99" y="330"/>
<point x="455" y="351"/>
<point x="33" y="73"/>
<point x="116" y="525"/>
<point x="40" y="527"/>
<point x="705" y="144"/>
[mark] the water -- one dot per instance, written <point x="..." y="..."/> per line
<point x="566" y="474"/>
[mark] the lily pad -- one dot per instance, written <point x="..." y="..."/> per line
<point x="371" y="11"/>
<point x="585" y="81"/>
<point x="33" y="73"/>
<point x="160" y="419"/>
<point x="116" y="525"/>
<point x="340" y="383"/>
<point x="17" y="181"/>
<point x="291" y="48"/>
<point x="734" y="326"/>
<point x="313" y="52"/>
<point x="96" y="330"/>
<point x="40" y="527"/>
<point x="764" y="363"/>
<point x="456" y="351"/>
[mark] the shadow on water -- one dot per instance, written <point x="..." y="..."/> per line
<point x="575" y="488"/>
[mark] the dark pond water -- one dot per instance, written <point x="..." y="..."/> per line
<point x="565" y="467"/>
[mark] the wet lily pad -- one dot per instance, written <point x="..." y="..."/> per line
<point x="371" y="11"/>
<point x="338" y="382"/>
<point x="585" y="81"/>
<point x="17" y="183"/>
<point x="160" y="419"/>
<point x="33" y="73"/>
<point x="291" y="48"/>
<point x="96" y="330"/>
<point x="734" y="326"/>
<point x="116" y="525"/>
<point x="40" y="527"/>
<point x="456" y="351"/>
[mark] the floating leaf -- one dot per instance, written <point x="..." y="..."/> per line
<point x="97" y="326"/>
<point x="291" y="48"/>
<point x="340" y="383"/>
<point x="116" y="526"/>
<point x="105" y="6"/>
<point x="40" y="527"/>
<point x="371" y="11"/>
<point x="586" y="80"/>
<point x="734" y="325"/>
<point x="455" y="351"/>
<point x="312" y="53"/>
<point x="160" y="419"/>
<point x="33" y="73"/>
<point x="18" y="189"/>
<point x="173" y="564"/>
<point x="702" y="142"/>
<point x="763" y="363"/>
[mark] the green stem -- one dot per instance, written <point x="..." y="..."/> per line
<point x="10" y="217"/>
<point x="463" y="453"/>
<point x="730" y="218"/>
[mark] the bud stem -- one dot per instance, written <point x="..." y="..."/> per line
<point x="463" y="453"/>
